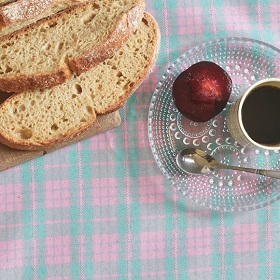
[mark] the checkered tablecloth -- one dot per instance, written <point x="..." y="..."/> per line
<point x="101" y="209"/>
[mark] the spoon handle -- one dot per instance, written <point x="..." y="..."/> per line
<point x="268" y="173"/>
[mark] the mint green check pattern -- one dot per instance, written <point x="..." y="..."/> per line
<point x="101" y="209"/>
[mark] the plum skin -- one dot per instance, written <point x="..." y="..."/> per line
<point x="202" y="91"/>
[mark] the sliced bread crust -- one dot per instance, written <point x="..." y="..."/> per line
<point x="5" y="2"/>
<point x="36" y="120"/>
<point x="20" y="13"/>
<point x="42" y="55"/>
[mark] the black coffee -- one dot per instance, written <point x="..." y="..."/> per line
<point x="261" y="115"/>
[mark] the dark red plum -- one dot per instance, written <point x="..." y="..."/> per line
<point x="201" y="92"/>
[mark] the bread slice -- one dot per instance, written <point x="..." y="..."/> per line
<point x="36" y="120"/>
<point x="43" y="54"/>
<point x="21" y="13"/>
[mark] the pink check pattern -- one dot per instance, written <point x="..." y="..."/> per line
<point x="101" y="209"/>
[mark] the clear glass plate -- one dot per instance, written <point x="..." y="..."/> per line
<point x="246" y="61"/>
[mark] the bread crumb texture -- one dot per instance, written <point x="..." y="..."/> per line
<point x="45" y="47"/>
<point x="34" y="119"/>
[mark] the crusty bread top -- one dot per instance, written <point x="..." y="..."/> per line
<point x="35" y="120"/>
<point x="42" y="54"/>
<point x="5" y="2"/>
<point x="21" y="13"/>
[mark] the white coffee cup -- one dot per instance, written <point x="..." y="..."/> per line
<point x="254" y="119"/>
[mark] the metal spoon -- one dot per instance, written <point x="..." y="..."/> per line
<point x="195" y="161"/>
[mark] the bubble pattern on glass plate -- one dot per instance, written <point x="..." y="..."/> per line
<point x="246" y="61"/>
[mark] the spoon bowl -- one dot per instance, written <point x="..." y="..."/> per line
<point x="193" y="161"/>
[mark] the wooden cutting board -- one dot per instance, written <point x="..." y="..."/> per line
<point x="11" y="157"/>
